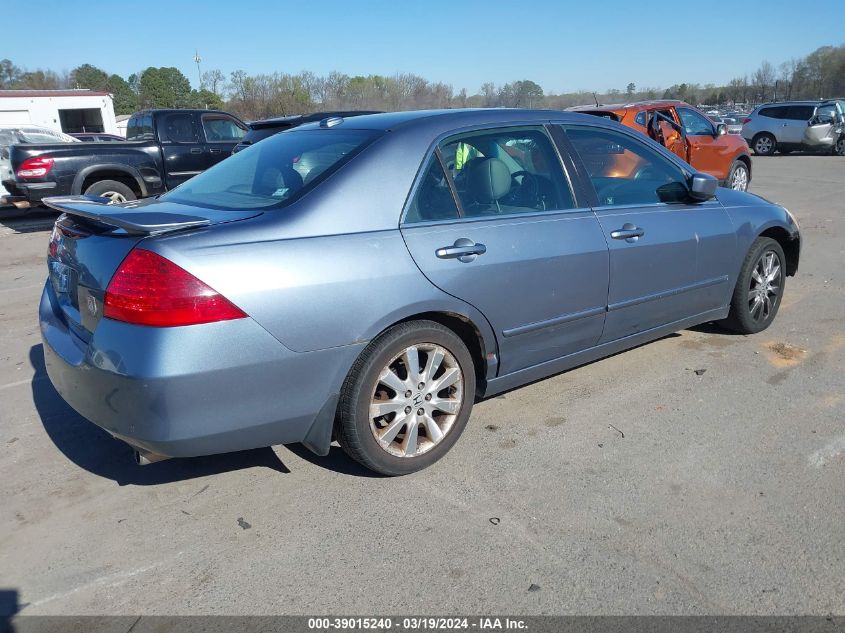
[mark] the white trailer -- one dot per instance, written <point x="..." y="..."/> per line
<point x="69" y="111"/>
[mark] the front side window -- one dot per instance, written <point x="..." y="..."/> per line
<point x="512" y="170"/>
<point x="800" y="113"/>
<point x="221" y="129"/>
<point x="275" y="172"/>
<point x="625" y="171"/>
<point x="433" y="199"/>
<point x="694" y="123"/>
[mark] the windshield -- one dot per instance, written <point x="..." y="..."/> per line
<point x="274" y="172"/>
<point x="43" y="135"/>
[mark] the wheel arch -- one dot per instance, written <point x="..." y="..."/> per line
<point x="745" y="158"/>
<point x="121" y="173"/>
<point x="791" y="246"/>
<point x="485" y="359"/>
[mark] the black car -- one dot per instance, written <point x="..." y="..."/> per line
<point x="259" y="130"/>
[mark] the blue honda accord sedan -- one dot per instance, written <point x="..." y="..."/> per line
<point x="367" y="280"/>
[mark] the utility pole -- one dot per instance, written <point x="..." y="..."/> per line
<point x="198" y="59"/>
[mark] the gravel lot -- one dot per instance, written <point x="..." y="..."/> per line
<point x="724" y="495"/>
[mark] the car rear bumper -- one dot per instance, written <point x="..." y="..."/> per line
<point x="196" y="390"/>
<point x="32" y="192"/>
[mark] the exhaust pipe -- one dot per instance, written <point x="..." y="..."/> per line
<point x="144" y="458"/>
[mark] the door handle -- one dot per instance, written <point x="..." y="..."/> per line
<point x="464" y="250"/>
<point x="628" y="232"/>
<point x="214" y="150"/>
<point x="196" y="150"/>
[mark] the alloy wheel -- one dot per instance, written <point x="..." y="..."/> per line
<point x="766" y="284"/>
<point x="416" y="400"/>
<point x="840" y="146"/>
<point x="763" y="145"/>
<point x="739" y="180"/>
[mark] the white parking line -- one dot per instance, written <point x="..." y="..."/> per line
<point x="21" y="288"/>
<point x="112" y="580"/>
<point x="22" y="382"/>
<point x="833" y="450"/>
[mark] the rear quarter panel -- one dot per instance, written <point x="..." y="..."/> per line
<point x="318" y="292"/>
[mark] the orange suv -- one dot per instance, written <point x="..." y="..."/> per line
<point x="684" y="130"/>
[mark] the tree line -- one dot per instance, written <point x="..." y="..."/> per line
<point x="820" y="74"/>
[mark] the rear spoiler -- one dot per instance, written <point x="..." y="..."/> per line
<point x="126" y="218"/>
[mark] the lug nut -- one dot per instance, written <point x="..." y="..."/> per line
<point x="407" y="410"/>
<point x="408" y="393"/>
<point x="421" y="385"/>
<point x="420" y="411"/>
<point x="428" y="396"/>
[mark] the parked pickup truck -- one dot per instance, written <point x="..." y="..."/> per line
<point x="163" y="149"/>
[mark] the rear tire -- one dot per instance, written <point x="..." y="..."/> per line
<point x="394" y="417"/>
<point x="764" y="144"/>
<point x="759" y="288"/>
<point x="839" y="148"/>
<point x="112" y="189"/>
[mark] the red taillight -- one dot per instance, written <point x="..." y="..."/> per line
<point x="148" y="289"/>
<point x="35" y="167"/>
<point x="746" y="120"/>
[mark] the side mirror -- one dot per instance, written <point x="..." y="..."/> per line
<point x="702" y="186"/>
<point x="721" y="129"/>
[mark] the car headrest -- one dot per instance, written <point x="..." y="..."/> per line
<point x="489" y="180"/>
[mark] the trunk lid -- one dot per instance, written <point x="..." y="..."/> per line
<point x="90" y="240"/>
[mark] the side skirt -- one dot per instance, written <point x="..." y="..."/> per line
<point x="558" y="365"/>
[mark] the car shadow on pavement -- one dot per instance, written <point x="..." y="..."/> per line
<point x="91" y="448"/>
<point x="336" y="460"/>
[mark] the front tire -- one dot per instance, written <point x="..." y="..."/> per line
<point x="839" y="148"/>
<point x="407" y="398"/>
<point x="738" y="177"/>
<point x="764" y="144"/>
<point x="759" y="288"/>
<point x="115" y="191"/>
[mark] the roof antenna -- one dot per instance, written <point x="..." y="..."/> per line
<point x="596" y="99"/>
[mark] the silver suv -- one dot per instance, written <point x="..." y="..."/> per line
<point x="815" y="126"/>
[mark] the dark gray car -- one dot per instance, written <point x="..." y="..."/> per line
<point x="368" y="279"/>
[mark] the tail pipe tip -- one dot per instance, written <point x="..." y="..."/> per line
<point x="144" y="458"/>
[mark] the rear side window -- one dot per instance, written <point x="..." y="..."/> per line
<point x="140" y="128"/>
<point x="177" y="127"/>
<point x="510" y="170"/>
<point x="274" y="173"/>
<point x="433" y="199"/>
<point x="773" y="113"/>
<point x="640" y="118"/>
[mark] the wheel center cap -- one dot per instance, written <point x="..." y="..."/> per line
<point x="418" y="399"/>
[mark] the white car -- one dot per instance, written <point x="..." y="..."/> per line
<point x="14" y="134"/>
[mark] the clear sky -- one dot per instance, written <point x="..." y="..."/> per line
<point x="595" y="45"/>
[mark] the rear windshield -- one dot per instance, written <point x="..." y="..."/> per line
<point x="275" y="172"/>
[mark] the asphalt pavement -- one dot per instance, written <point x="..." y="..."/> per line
<point x="699" y="474"/>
